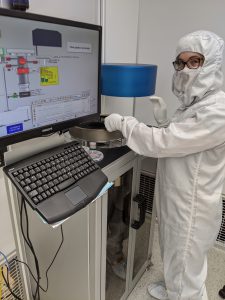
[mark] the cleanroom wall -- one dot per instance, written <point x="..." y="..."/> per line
<point x="147" y="31"/>
<point x="79" y="10"/>
<point x="120" y="23"/>
<point x="162" y="23"/>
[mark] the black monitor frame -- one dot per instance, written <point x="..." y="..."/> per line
<point x="61" y="126"/>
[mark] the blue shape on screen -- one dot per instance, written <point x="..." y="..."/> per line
<point x="14" y="128"/>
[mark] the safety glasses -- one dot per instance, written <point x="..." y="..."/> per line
<point x="192" y="63"/>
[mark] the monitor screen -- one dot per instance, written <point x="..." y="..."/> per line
<point x="49" y="74"/>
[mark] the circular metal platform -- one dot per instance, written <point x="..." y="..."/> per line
<point x="96" y="132"/>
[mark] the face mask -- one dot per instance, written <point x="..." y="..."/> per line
<point x="182" y="84"/>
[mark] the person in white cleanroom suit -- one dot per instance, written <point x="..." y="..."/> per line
<point x="191" y="165"/>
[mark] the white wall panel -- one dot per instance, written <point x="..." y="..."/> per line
<point x="119" y="44"/>
<point x="162" y="23"/>
<point x="79" y="10"/>
<point x="120" y="30"/>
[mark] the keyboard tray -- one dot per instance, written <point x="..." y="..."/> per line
<point x="57" y="182"/>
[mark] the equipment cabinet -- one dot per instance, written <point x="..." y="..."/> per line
<point x="82" y="269"/>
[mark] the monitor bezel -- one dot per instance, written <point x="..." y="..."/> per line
<point x="65" y="125"/>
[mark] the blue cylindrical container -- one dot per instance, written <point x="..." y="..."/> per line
<point x="128" y="80"/>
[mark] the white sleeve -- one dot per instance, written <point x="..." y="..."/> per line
<point x="204" y="131"/>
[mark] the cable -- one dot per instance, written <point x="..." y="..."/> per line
<point x="5" y="257"/>
<point x="22" y="262"/>
<point x="37" y="293"/>
<point x="30" y="245"/>
<point x="46" y="273"/>
<point x="7" y="284"/>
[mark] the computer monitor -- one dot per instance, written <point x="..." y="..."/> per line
<point x="49" y="75"/>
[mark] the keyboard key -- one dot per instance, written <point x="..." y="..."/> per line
<point x="45" y="187"/>
<point x="33" y="178"/>
<point x="33" y="186"/>
<point x="44" y="173"/>
<point x="40" y="198"/>
<point x="56" y="189"/>
<point x="49" y="178"/>
<point x="65" y="176"/>
<point x="26" y="174"/>
<point x="32" y="172"/>
<point x="35" y="200"/>
<point x="40" y="190"/>
<point x="33" y="193"/>
<point x="39" y="176"/>
<point x="44" y="180"/>
<point x="44" y="196"/>
<point x="22" y="183"/>
<point x="39" y="183"/>
<point x="56" y="181"/>
<point x="27" y="189"/>
<point x="51" y="184"/>
<point x="52" y="191"/>
<point x="28" y="181"/>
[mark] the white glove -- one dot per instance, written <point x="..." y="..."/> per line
<point x="159" y="110"/>
<point x="113" y="122"/>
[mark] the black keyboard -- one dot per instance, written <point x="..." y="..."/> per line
<point x="57" y="182"/>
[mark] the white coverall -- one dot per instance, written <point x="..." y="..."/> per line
<point x="191" y="168"/>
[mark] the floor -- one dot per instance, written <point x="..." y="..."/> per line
<point x="215" y="280"/>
